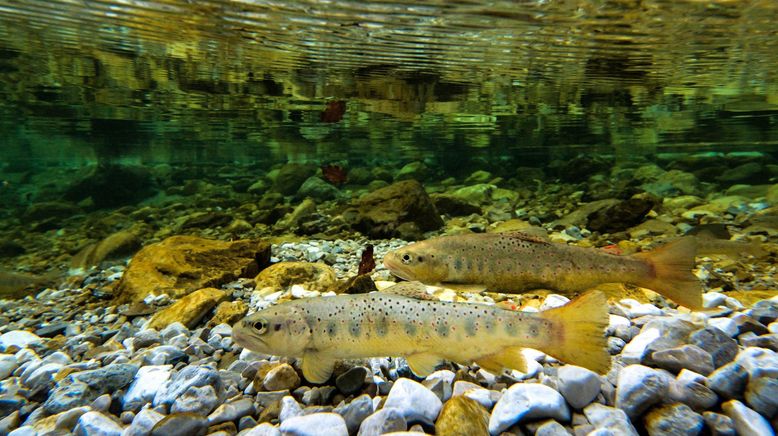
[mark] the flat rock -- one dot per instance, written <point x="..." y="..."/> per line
<point x="180" y="265"/>
<point x="414" y="401"/>
<point x="313" y="276"/>
<point x="315" y="424"/>
<point x="527" y="401"/>
<point x="675" y="419"/>
<point x="579" y="386"/>
<point x="462" y="416"/>
<point x="745" y="420"/>
<point x="640" y="387"/>
<point x="386" y="420"/>
<point x="97" y="424"/>
<point x="689" y="357"/>
<point x="189" y="310"/>
<point x="181" y="424"/>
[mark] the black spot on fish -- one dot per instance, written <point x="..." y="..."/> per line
<point x="381" y="327"/>
<point x="332" y="328"/>
<point x="443" y="329"/>
<point x="354" y="327"/>
<point x="458" y="264"/>
<point x="510" y="328"/>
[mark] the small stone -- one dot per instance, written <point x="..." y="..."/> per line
<point x="280" y="378"/>
<point x="189" y="376"/>
<point x="721" y="347"/>
<point x="355" y="412"/>
<point x="693" y="393"/>
<point x="414" y="401"/>
<point x="610" y="418"/>
<point x="9" y="423"/>
<point x="726" y="325"/>
<point x="527" y="401"/>
<point x="718" y="424"/>
<point x="579" y="386"/>
<point x="231" y="411"/>
<point x="263" y="429"/>
<point x="8" y="365"/>
<point x="634" y="351"/>
<point x="126" y="417"/>
<point x="551" y="428"/>
<point x="352" y="380"/>
<point x="181" y="423"/>
<point x="474" y="392"/>
<point x="246" y="423"/>
<point x="147" y="382"/>
<point x="759" y="362"/>
<point x="745" y="420"/>
<point x="639" y="387"/>
<point x="102" y="403"/>
<point x="762" y="395"/>
<point x="713" y="299"/>
<point x="675" y="419"/>
<point x="143" y="422"/>
<point x="97" y="424"/>
<point x="689" y="357"/>
<point x="315" y="424"/>
<point x="289" y="408"/>
<point x="386" y="420"/>
<point x="552" y="301"/>
<point x="146" y="338"/>
<point x="196" y="399"/>
<point x="729" y="381"/>
<point x="439" y="382"/>
<point x="462" y="416"/>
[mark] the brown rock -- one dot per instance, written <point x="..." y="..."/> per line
<point x="382" y="211"/>
<point x="119" y="244"/>
<point x="313" y="276"/>
<point x="182" y="264"/>
<point x="189" y="310"/>
<point x="462" y="416"/>
<point x="282" y="377"/>
<point x="360" y="284"/>
<point x="228" y="312"/>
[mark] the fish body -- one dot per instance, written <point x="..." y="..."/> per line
<point x="15" y="284"/>
<point x="322" y="330"/>
<point x="515" y="262"/>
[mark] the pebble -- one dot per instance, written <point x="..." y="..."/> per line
<point x="609" y="418"/>
<point x="675" y="419"/>
<point x="315" y="424"/>
<point x="759" y="362"/>
<point x="263" y="429"/>
<point x="719" y="344"/>
<point x="718" y="424"/>
<point x="634" y="351"/>
<point x="143" y="422"/>
<point x="440" y="383"/>
<point x="182" y="380"/>
<point x="746" y="421"/>
<point x="713" y="299"/>
<point x="351" y="381"/>
<point x="280" y="378"/>
<point x="231" y="411"/>
<point x="474" y="392"/>
<point x="18" y="338"/>
<point x="102" y="403"/>
<point x="634" y="309"/>
<point x="726" y="325"/>
<point x="551" y="428"/>
<point x="8" y="365"/>
<point x="414" y="401"/>
<point x="355" y="412"/>
<point x="689" y="357"/>
<point x="181" y="424"/>
<point x="146" y="338"/>
<point x="462" y="416"/>
<point x="640" y="387"/>
<point x="148" y="381"/>
<point x="692" y="391"/>
<point x="527" y="401"/>
<point x="386" y="420"/>
<point x="729" y="381"/>
<point x="579" y="386"/>
<point x="97" y="424"/>
<point x="554" y="300"/>
<point x="762" y="395"/>
<point x="196" y="399"/>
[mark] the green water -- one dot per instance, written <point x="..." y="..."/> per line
<point x="213" y="85"/>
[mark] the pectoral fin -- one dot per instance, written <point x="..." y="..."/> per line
<point x="509" y="358"/>
<point x="423" y="364"/>
<point x="317" y="368"/>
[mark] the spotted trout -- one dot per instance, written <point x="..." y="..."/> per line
<point x="321" y="330"/>
<point x="515" y="262"/>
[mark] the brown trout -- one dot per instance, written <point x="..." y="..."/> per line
<point x="321" y="330"/>
<point x="514" y="262"/>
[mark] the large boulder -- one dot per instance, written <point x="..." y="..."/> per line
<point x="180" y="265"/>
<point x="291" y="176"/>
<point x="381" y="212"/>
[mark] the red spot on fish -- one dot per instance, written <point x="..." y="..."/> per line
<point x="612" y="249"/>
<point x="333" y="112"/>
<point x="335" y="174"/>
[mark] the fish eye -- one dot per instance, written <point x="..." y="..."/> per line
<point x="406" y="258"/>
<point x="260" y="326"/>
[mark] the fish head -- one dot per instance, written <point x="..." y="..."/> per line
<point x="417" y="261"/>
<point x="280" y="330"/>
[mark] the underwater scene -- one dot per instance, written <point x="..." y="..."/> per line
<point x="312" y="217"/>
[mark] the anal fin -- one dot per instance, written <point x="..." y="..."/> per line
<point x="317" y="368"/>
<point x="509" y="358"/>
<point x="423" y="364"/>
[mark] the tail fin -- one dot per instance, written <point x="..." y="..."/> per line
<point x="671" y="266"/>
<point x="579" y="332"/>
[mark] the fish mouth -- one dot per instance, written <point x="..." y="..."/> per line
<point x="246" y="339"/>
<point x="396" y="269"/>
